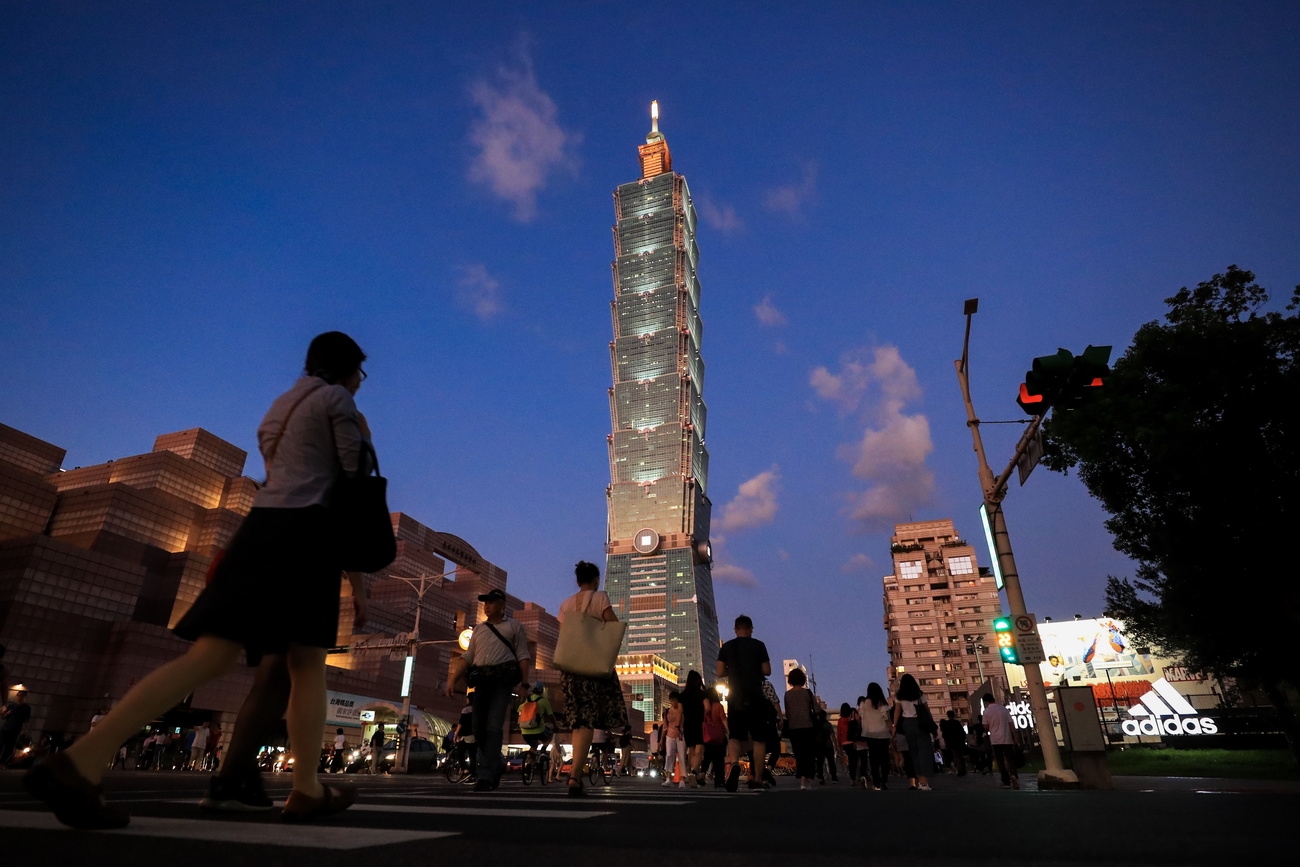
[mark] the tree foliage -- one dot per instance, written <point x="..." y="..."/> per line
<point x="1192" y="448"/>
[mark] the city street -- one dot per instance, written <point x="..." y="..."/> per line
<point x="421" y="820"/>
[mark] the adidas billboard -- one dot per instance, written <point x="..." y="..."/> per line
<point x="1164" y="711"/>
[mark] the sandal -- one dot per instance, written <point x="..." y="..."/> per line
<point x="74" y="800"/>
<point x="301" y="808"/>
<point x="576" y="789"/>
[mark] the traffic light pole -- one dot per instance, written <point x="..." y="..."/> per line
<point x="1054" y="775"/>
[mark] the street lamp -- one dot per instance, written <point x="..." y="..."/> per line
<point x="975" y="647"/>
<point x="420" y="586"/>
<point x="994" y="490"/>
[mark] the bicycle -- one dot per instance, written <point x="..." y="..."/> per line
<point x="600" y="767"/>
<point x="456" y="765"/>
<point x="539" y="764"/>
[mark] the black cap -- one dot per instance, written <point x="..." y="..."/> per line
<point x="493" y="595"/>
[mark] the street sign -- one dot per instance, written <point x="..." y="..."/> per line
<point x="1028" y="640"/>
<point x="1033" y="454"/>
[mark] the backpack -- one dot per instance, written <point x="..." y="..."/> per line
<point x="529" y="714"/>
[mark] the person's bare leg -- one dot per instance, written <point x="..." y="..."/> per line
<point x="263" y="707"/>
<point x="306" y="719"/>
<point x="756" y="759"/>
<point x="581" y="744"/>
<point x="207" y="658"/>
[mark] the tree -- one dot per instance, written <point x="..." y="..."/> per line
<point x="1192" y="448"/>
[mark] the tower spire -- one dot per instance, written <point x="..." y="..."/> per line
<point x="655" y="158"/>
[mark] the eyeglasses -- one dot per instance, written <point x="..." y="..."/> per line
<point x="363" y="374"/>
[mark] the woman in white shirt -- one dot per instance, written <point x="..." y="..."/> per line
<point x="284" y="549"/>
<point x="590" y="702"/>
<point x="876" y="732"/>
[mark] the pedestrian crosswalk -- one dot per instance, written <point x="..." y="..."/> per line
<point x="425" y="813"/>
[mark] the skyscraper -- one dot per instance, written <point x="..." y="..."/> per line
<point x="658" y="557"/>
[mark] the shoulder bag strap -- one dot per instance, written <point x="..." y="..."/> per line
<point x="508" y="645"/>
<point x="275" y="446"/>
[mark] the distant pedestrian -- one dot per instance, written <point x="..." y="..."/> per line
<point x="954" y="742"/>
<point x="827" y="754"/>
<point x="13" y="723"/>
<point x="874" y="712"/>
<point x="675" y="744"/>
<point x="745" y="663"/>
<point x="845" y="728"/>
<point x="339" y="752"/>
<point x="920" y="744"/>
<point x="800" y="726"/>
<point x="715" y="738"/>
<point x="198" y="746"/>
<point x="693" y="727"/>
<point x="590" y="702"/>
<point x="997" y="719"/>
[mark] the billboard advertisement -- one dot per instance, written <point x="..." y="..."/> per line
<point x="1084" y="652"/>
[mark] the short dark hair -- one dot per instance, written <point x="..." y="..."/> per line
<point x="952" y="714"/>
<point x="743" y="622"/>
<point x="988" y="698"/>
<point x="333" y="356"/>
<point x="796" y="677"/>
<point x="586" y="572"/>
<point x="674" y="695"/>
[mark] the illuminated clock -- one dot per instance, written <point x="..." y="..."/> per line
<point x="704" y="551"/>
<point x="645" y="541"/>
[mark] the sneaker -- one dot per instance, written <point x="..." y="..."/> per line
<point x="1015" y="782"/>
<point x="769" y="778"/>
<point x="236" y="796"/>
<point x="693" y="781"/>
<point x="733" y="778"/>
<point x="484" y="786"/>
<point x="667" y="782"/>
<point x="925" y="788"/>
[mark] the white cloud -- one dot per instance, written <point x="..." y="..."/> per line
<point x="721" y="217"/>
<point x="791" y="199"/>
<point x="857" y="563"/>
<point x="518" y="137"/>
<point x="894" y="446"/>
<point x="730" y="573"/>
<point x="755" y="504"/>
<point x="767" y="313"/>
<point x="479" y="292"/>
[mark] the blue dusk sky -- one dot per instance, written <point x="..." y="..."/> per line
<point x="191" y="191"/>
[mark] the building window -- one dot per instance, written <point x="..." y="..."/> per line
<point x="960" y="566"/>
<point x="909" y="569"/>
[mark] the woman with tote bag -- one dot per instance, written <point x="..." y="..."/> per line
<point x="592" y="701"/>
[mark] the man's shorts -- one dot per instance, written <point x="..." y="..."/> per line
<point x="755" y="721"/>
<point x="539" y="739"/>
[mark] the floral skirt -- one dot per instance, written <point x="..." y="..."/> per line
<point x="593" y="702"/>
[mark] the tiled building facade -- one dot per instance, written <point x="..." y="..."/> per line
<point x="939" y="610"/>
<point x="97" y="563"/>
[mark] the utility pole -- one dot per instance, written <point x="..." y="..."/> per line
<point x="1054" y="775"/>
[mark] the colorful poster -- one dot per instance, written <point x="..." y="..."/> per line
<point x="1086" y="651"/>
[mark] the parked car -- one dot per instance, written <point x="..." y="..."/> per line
<point x="423" y="758"/>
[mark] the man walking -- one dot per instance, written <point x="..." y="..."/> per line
<point x="997" y="720"/>
<point x="498" y="657"/>
<point x="745" y="663"/>
<point x="954" y="742"/>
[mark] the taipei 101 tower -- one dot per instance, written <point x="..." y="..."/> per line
<point x="658" y="557"/>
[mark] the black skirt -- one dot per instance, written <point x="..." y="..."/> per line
<point x="278" y="584"/>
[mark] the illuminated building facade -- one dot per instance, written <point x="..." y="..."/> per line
<point x="939" y="610"/>
<point x="649" y="678"/>
<point x="658" y="559"/>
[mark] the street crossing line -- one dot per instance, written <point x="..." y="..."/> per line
<point x="535" y="798"/>
<point x="480" y="811"/>
<point x="257" y="833"/>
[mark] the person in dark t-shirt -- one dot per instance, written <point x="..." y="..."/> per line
<point x="744" y="662"/>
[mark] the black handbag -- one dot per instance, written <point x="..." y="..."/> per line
<point x="924" y="719"/>
<point x="359" y="516"/>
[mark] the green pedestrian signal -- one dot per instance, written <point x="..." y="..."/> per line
<point x="1006" y="638"/>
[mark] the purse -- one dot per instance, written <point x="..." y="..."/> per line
<point x="924" y="719"/>
<point x="588" y="645"/>
<point x="358" y="512"/>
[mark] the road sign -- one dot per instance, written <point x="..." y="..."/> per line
<point x="1027" y="640"/>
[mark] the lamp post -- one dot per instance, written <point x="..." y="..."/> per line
<point x="420" y="586"/>
<point x="975" y="647"/>
<point x="1054" y="774"/>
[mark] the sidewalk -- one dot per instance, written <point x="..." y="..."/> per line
<point x="1204" y="785"/>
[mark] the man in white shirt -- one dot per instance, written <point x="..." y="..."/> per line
<point x="997" y="720"/>
<point x="198" y="747"/>
<point x="498" y="657"/>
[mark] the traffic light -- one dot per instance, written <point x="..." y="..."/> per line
<point x="1063" y="380"/>
<point x="1006" y="638"/>
<point x="1045" y="381"/>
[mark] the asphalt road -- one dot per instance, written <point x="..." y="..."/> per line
<point x="425" y="820"/>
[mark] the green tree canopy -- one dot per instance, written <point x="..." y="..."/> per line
<point x="1192" y="448"/>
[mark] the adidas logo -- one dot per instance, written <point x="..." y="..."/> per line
<point x="1163" y="711"/>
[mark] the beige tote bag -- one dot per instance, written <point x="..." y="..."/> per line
<point x="588" y="645"/>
